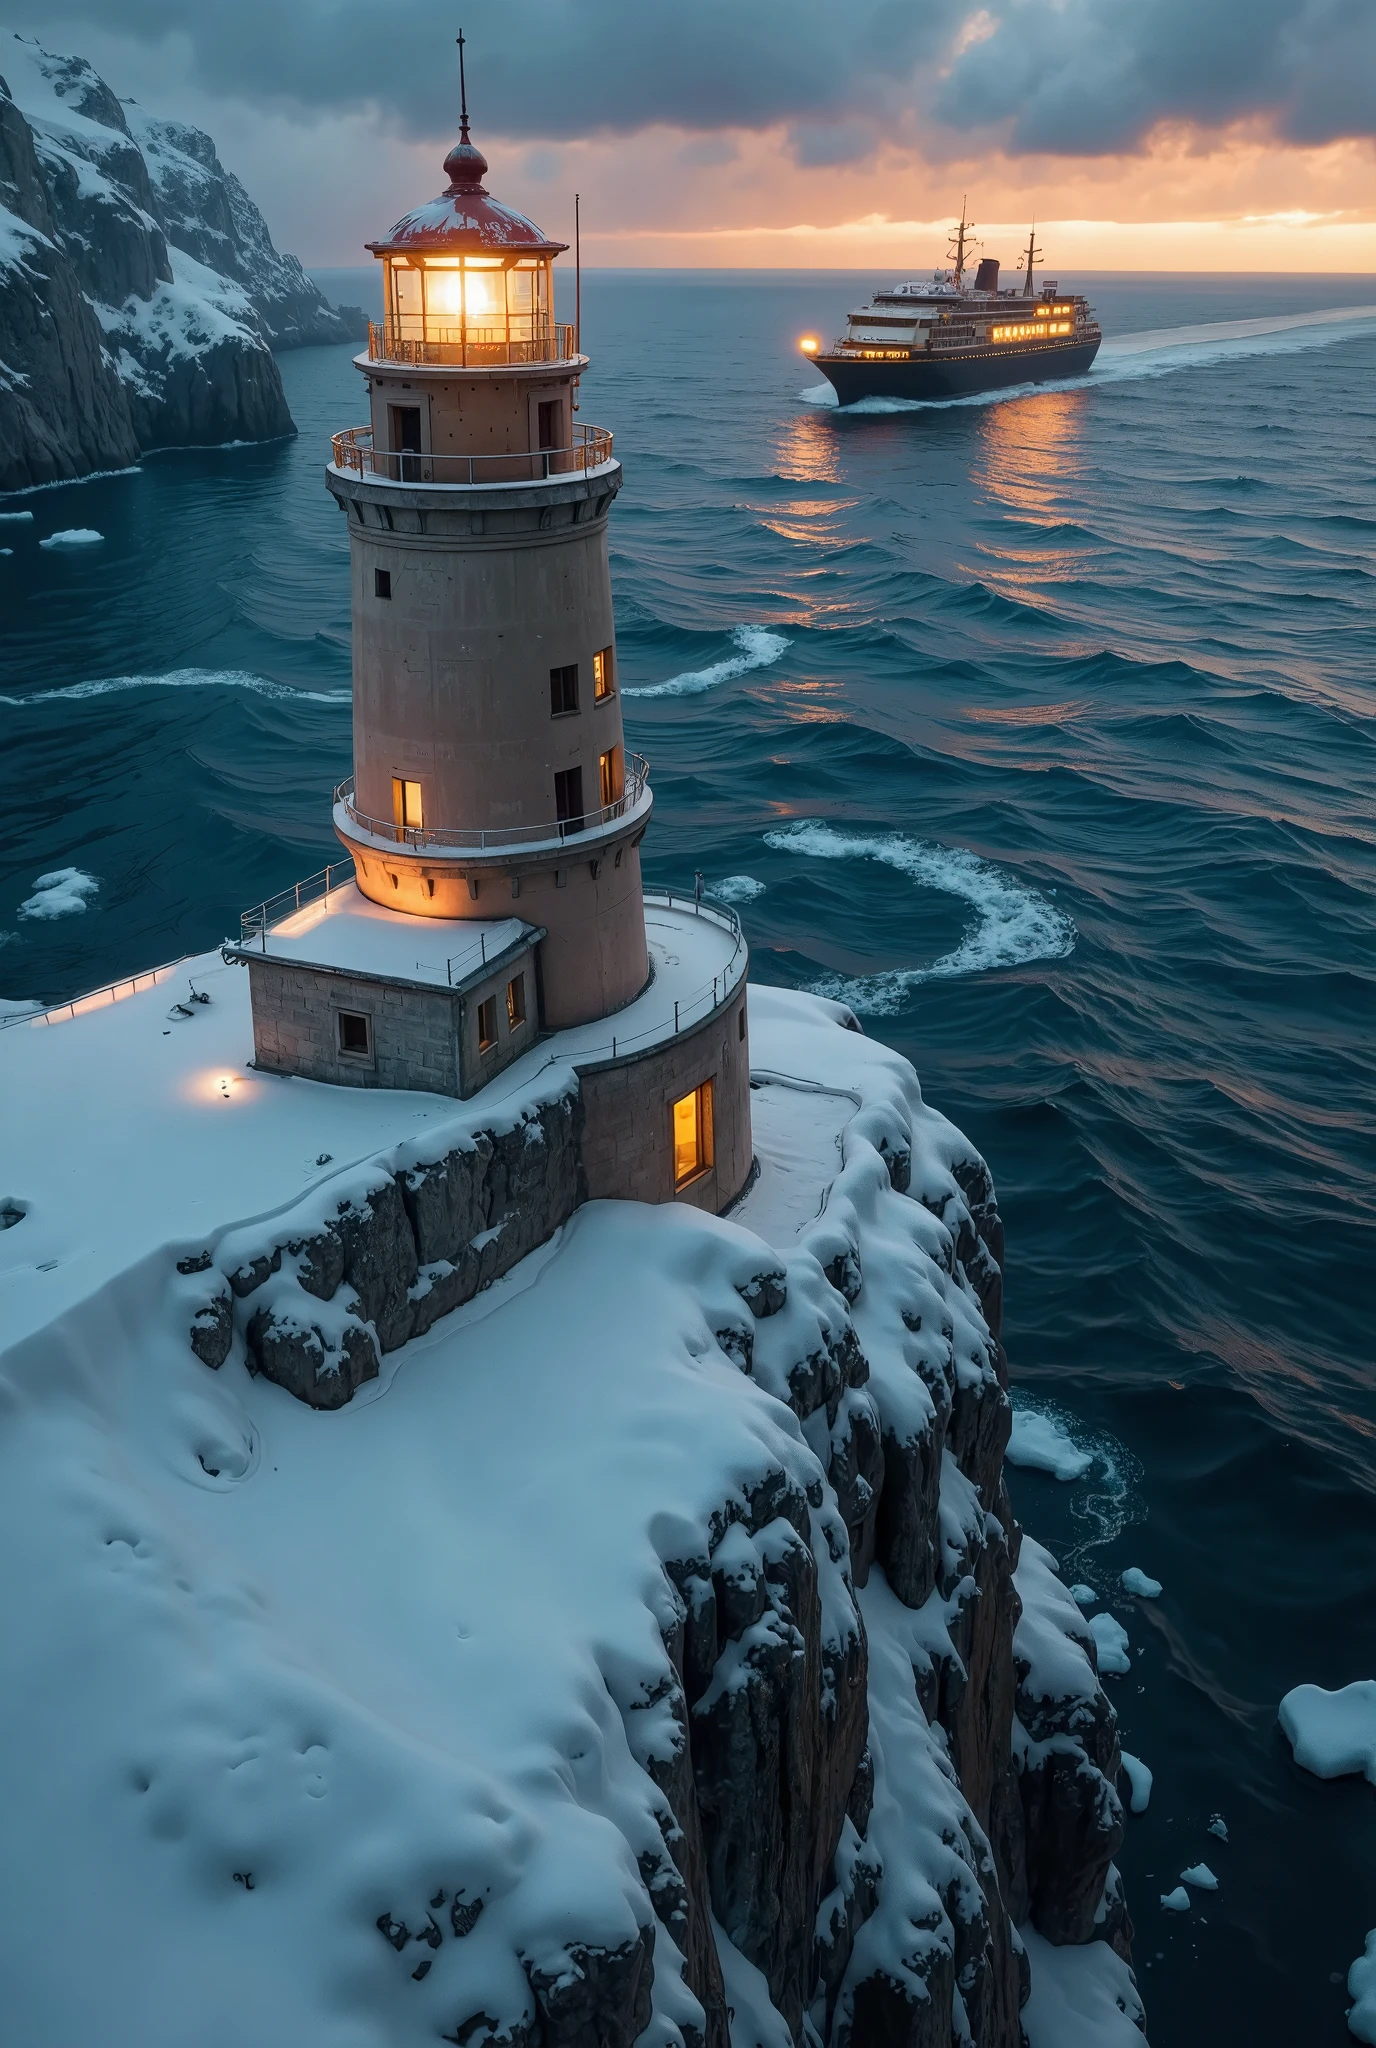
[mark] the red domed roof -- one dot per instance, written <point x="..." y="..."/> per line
<point x="465" y="219"/>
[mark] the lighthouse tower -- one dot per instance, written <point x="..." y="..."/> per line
<point x="490" y="917"/>
<point x="490" y="773"/>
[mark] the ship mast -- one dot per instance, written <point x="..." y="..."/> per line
<point x="962" y="240"/>
<point x="1033" y="252"/>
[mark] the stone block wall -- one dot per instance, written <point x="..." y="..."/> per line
<point x="422" y="1038"/>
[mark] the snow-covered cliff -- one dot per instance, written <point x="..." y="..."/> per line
<point x="140" y="294"/>
<point x="643" y="1651"/>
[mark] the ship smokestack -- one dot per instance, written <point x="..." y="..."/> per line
<point x="987" y="276"/>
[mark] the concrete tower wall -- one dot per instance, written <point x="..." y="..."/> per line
<point x="452" y="669"/>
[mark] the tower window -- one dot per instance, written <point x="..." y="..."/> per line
<point x="405" y="429"/>
<point x="516" y="1002"/>
<point x="382" y="583"/>
<point x="408" y="811"/>
<point x="487" y="1024"/>
<point x="613" y="782"/>
<point x="692" y="1129"/>
<point x="551" y="417"/>
<point x="355" y="1035"/>
<point x="563" y="689"/>
<point x="568" y="798"/>
<point x="602" y="674"/>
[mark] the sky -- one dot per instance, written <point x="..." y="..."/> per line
<point x="1141" y="134"/>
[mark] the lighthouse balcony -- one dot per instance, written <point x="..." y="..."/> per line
<point x="437" y="344"/>
<point x="578" y="834"/>
<point x="355" y="454"/>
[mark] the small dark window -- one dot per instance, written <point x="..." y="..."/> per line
<point x="551" y="414"/>
<point x="487" y="1024"/>
<point x="354" y="1034"/>
<point x="563" y="689"/>
<point x="568" y="798"/>
<point x="516" y="1002"/>
<point x="741" y="1033"/>
<point x="406" y="429"/>
<point x="382" y="583"/>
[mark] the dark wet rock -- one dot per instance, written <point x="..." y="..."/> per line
<point x="766" y="1293"/>
<point x="212" y="1331"/>
<point x="597" y="1995"/>
<point x="301" y="1359"/>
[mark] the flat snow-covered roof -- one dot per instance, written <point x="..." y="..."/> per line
<point x="347" y="932"/>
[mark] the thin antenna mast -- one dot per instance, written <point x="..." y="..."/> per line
<point x="463" y="94"/>
<point x="577" y="277"/>
<point x="962" y="237"/>
<point x="1033" y="252"/>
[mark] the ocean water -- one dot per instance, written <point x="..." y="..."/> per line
<point x="1043" y="730"/>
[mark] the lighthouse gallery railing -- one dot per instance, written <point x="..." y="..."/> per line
<point x="354" y="450"/>
<point x="419" y="837"/>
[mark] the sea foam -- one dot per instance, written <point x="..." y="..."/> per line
<point x="756" y="647"/>
<point x="181" y="679"/>
<point x="1014" y="923"/>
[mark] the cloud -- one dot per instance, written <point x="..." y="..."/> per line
<point x="1095" y="77"/>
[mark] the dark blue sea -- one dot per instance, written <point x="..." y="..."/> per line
<point x="1044" y="730"/>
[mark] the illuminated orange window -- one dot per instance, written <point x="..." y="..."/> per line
<point x="602" y="674"/>
<point x="692" y="1121"/>
<point x="612" y="779"/>
<point x="408" y="812"/>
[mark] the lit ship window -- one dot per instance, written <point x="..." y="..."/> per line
<point x="1031" y="330"/>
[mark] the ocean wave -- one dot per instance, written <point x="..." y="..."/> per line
<point x="1014" y="922"/>
<point x="1108" y="1481"/>
<point x="756" y="647"/>
<point x="737" y="889"/>
<point x="1156" y="352"/>
<point x="180" y="679"/>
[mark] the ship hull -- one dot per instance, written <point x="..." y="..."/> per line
<point x="954" y="376"/>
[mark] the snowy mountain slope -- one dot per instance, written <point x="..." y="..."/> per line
<point x="140" y="294"/>
<point x="639" y="1641"/>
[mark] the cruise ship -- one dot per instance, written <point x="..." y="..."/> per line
<point x="949" y="338"/>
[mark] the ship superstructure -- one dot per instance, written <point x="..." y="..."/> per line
<point x="947" y="338"/>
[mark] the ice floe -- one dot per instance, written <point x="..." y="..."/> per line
<point x="1177" y="1901"/>
<point x="60" y="894"/>
<point x="1200" y="1876"/>
<point x="72" y="537"/>
<point x="1333" y="1734"/>
<point x="1135" y="1581"/>
<point x="1042" y="1444"/>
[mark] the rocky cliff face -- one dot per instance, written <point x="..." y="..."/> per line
<point x="140" y="294"/>
<point x="876" y="1736"/>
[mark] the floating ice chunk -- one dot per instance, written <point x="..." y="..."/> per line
<point x="1218" y="1826"/>
<point x="1177" y="1901"/>
<point x="1111" y="1641"/>
<point x="738" y="889"/>
<point x="1042" y="1445"/>
<point x="1361" y="1984"/>
<point x="1139" y="1780"/>
<point x="1086" y="1595"/>
<point x="1200" y="1876"/>
<point x="8" y="518"/>
<point x="6" y="551"/>
<point x="1135" y="1581"/>
<point x="72" y="537"/>
<point x="1333" y="1734"/>
<point x="59" y="894"/>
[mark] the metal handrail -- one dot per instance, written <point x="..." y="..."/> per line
<point x="688" y="1010"/>
<point x="419" y="837"/>
<point x="471" y="347"/>
<point x="353" y="450"/>
<point x="256" y="923"/>
<point x="57" y="1013"/>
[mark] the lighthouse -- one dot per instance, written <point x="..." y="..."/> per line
<point x="490" y="916"/>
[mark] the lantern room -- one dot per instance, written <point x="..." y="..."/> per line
<point x="468" y="282"/>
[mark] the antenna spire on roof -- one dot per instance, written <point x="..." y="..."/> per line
<point x="463" y="94"/>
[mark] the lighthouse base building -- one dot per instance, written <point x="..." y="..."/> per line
<point x="490" y="917"/>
